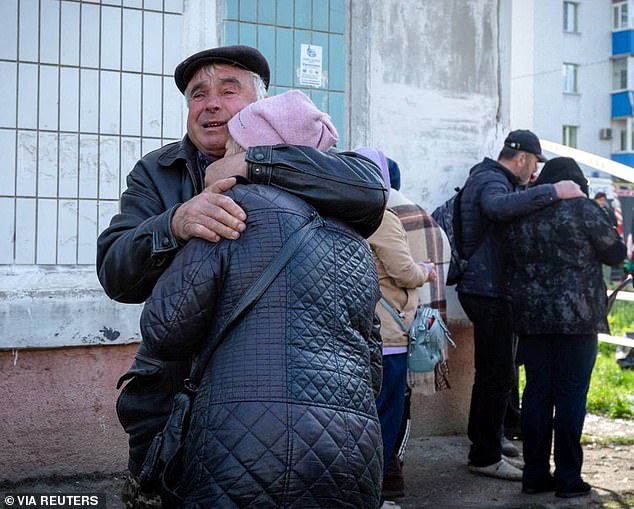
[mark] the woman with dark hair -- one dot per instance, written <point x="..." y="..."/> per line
<point x="559" y="306"/>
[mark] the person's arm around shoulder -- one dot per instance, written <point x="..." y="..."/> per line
<point x="502" y="205"/>
<point x="344" y="185"/>
<point x="143" y="238"/>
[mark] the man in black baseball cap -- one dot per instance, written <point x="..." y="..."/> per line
<point x="526" y="141"/>
<point x="495" y="194"/>
<point x="175" y="194"/>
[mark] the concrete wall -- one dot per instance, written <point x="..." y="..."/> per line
<point x="58" y="415"/>
<point x="429" y="84"/>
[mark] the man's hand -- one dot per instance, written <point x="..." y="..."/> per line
<point x="568" y="189"/>
<point x="228" y="166"/>
<point x="209" y="215"/>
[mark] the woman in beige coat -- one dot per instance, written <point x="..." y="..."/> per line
<point x="399" y="277"/>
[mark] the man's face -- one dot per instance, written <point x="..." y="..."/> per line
<point x="212" y="101"/>
<point x="602" y="201"/>
<point x="527" y="168"/>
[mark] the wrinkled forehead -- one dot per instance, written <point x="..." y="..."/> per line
<point x="216" y="74"/>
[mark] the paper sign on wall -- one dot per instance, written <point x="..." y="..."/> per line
<point x="310" y="65"/>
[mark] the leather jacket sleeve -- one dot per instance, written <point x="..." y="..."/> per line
<point x="344" y="185"/>
<point x="135" y="249"/>
<point x="138" y="245"/>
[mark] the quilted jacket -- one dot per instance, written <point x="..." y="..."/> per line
<point x="138" y="246"/>
<point x="556" y="255"/>
<point x="490" y="200"/>
<point x="285" y="415"/>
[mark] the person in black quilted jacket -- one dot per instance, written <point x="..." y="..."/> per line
<point x="285" y="414"/>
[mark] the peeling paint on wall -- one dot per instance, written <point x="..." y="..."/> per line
<point x="434" y="89"/>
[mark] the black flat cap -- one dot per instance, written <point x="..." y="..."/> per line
<point x="242" y="56"/>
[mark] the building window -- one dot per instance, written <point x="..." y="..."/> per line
<point x="280" y="29"/>
<point x="623" y="139"/>
<point x="570" y="17"/>
<point x="569" y="135"/>
<point x="570" y="78"/>
<point x="619" y="15"/>
<point x="619" y="73"/>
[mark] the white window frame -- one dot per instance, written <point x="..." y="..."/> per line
<point x="571" y="17"/>
<point x="619" y="73"/>
<point x="570" y="74"/>
<point x="620" y="15"/>
<point x="570" y="135"/>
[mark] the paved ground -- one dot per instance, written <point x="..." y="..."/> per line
<point x="437" y="476"/>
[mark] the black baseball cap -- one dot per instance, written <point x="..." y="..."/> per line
<point x="245" y="57"/>
<point x="526" y="141"/>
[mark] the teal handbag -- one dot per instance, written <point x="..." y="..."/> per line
<point x="428" y="337"/>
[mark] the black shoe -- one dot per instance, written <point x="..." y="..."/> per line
<point x="393" y="480"/>
<point x="548" y="484"/>
<point x="578" y="489"/>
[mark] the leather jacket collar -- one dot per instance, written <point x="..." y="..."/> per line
<point x="183" y="150"/>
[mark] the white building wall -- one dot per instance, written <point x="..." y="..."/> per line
<point x="539" y="82"/>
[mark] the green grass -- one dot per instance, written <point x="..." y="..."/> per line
<point x="611" y="388"/>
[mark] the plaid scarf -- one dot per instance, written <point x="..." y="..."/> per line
<point x="427" y="241"/>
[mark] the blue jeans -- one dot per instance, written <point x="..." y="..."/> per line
<point x="390" y="404"/>
<point x="558" y="370"/>
<point x="494" y="360"/>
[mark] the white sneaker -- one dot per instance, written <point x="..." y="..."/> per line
<point x="516" y="462"/>
<point x="500" y="470"/>
<point x="388" y="504"/>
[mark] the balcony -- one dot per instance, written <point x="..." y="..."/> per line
<point x="626" y="158"/>
<point x="622" y="42"/>
<point x="622" y="103"/>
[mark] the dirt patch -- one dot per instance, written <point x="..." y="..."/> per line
<point x="436" y="476"/>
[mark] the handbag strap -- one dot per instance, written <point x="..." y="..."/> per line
<point x="297" y="239"/>
<point x="394" y="314"/>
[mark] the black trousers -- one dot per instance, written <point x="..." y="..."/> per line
<point x="494" y="372"/>
<point x="558" y="371"/>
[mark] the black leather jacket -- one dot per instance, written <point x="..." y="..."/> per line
<point x="138" y="246"/>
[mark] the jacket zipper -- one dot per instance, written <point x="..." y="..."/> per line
<point x="190" y="171"/>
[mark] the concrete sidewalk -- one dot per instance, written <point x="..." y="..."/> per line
<point x="436" y="476"/>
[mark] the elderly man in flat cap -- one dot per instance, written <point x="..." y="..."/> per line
<point x="174" y="195"/>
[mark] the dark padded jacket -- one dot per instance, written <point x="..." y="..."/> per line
<point x="556" y="255"/>
<point x="490" y="200"/>
<point x="285" y="414"/>
<point x="139" y="245"/>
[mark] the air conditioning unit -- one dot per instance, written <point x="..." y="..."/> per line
<point x="605" y="134"/>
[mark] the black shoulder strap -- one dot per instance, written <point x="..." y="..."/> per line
<point x="253" y="293"/>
